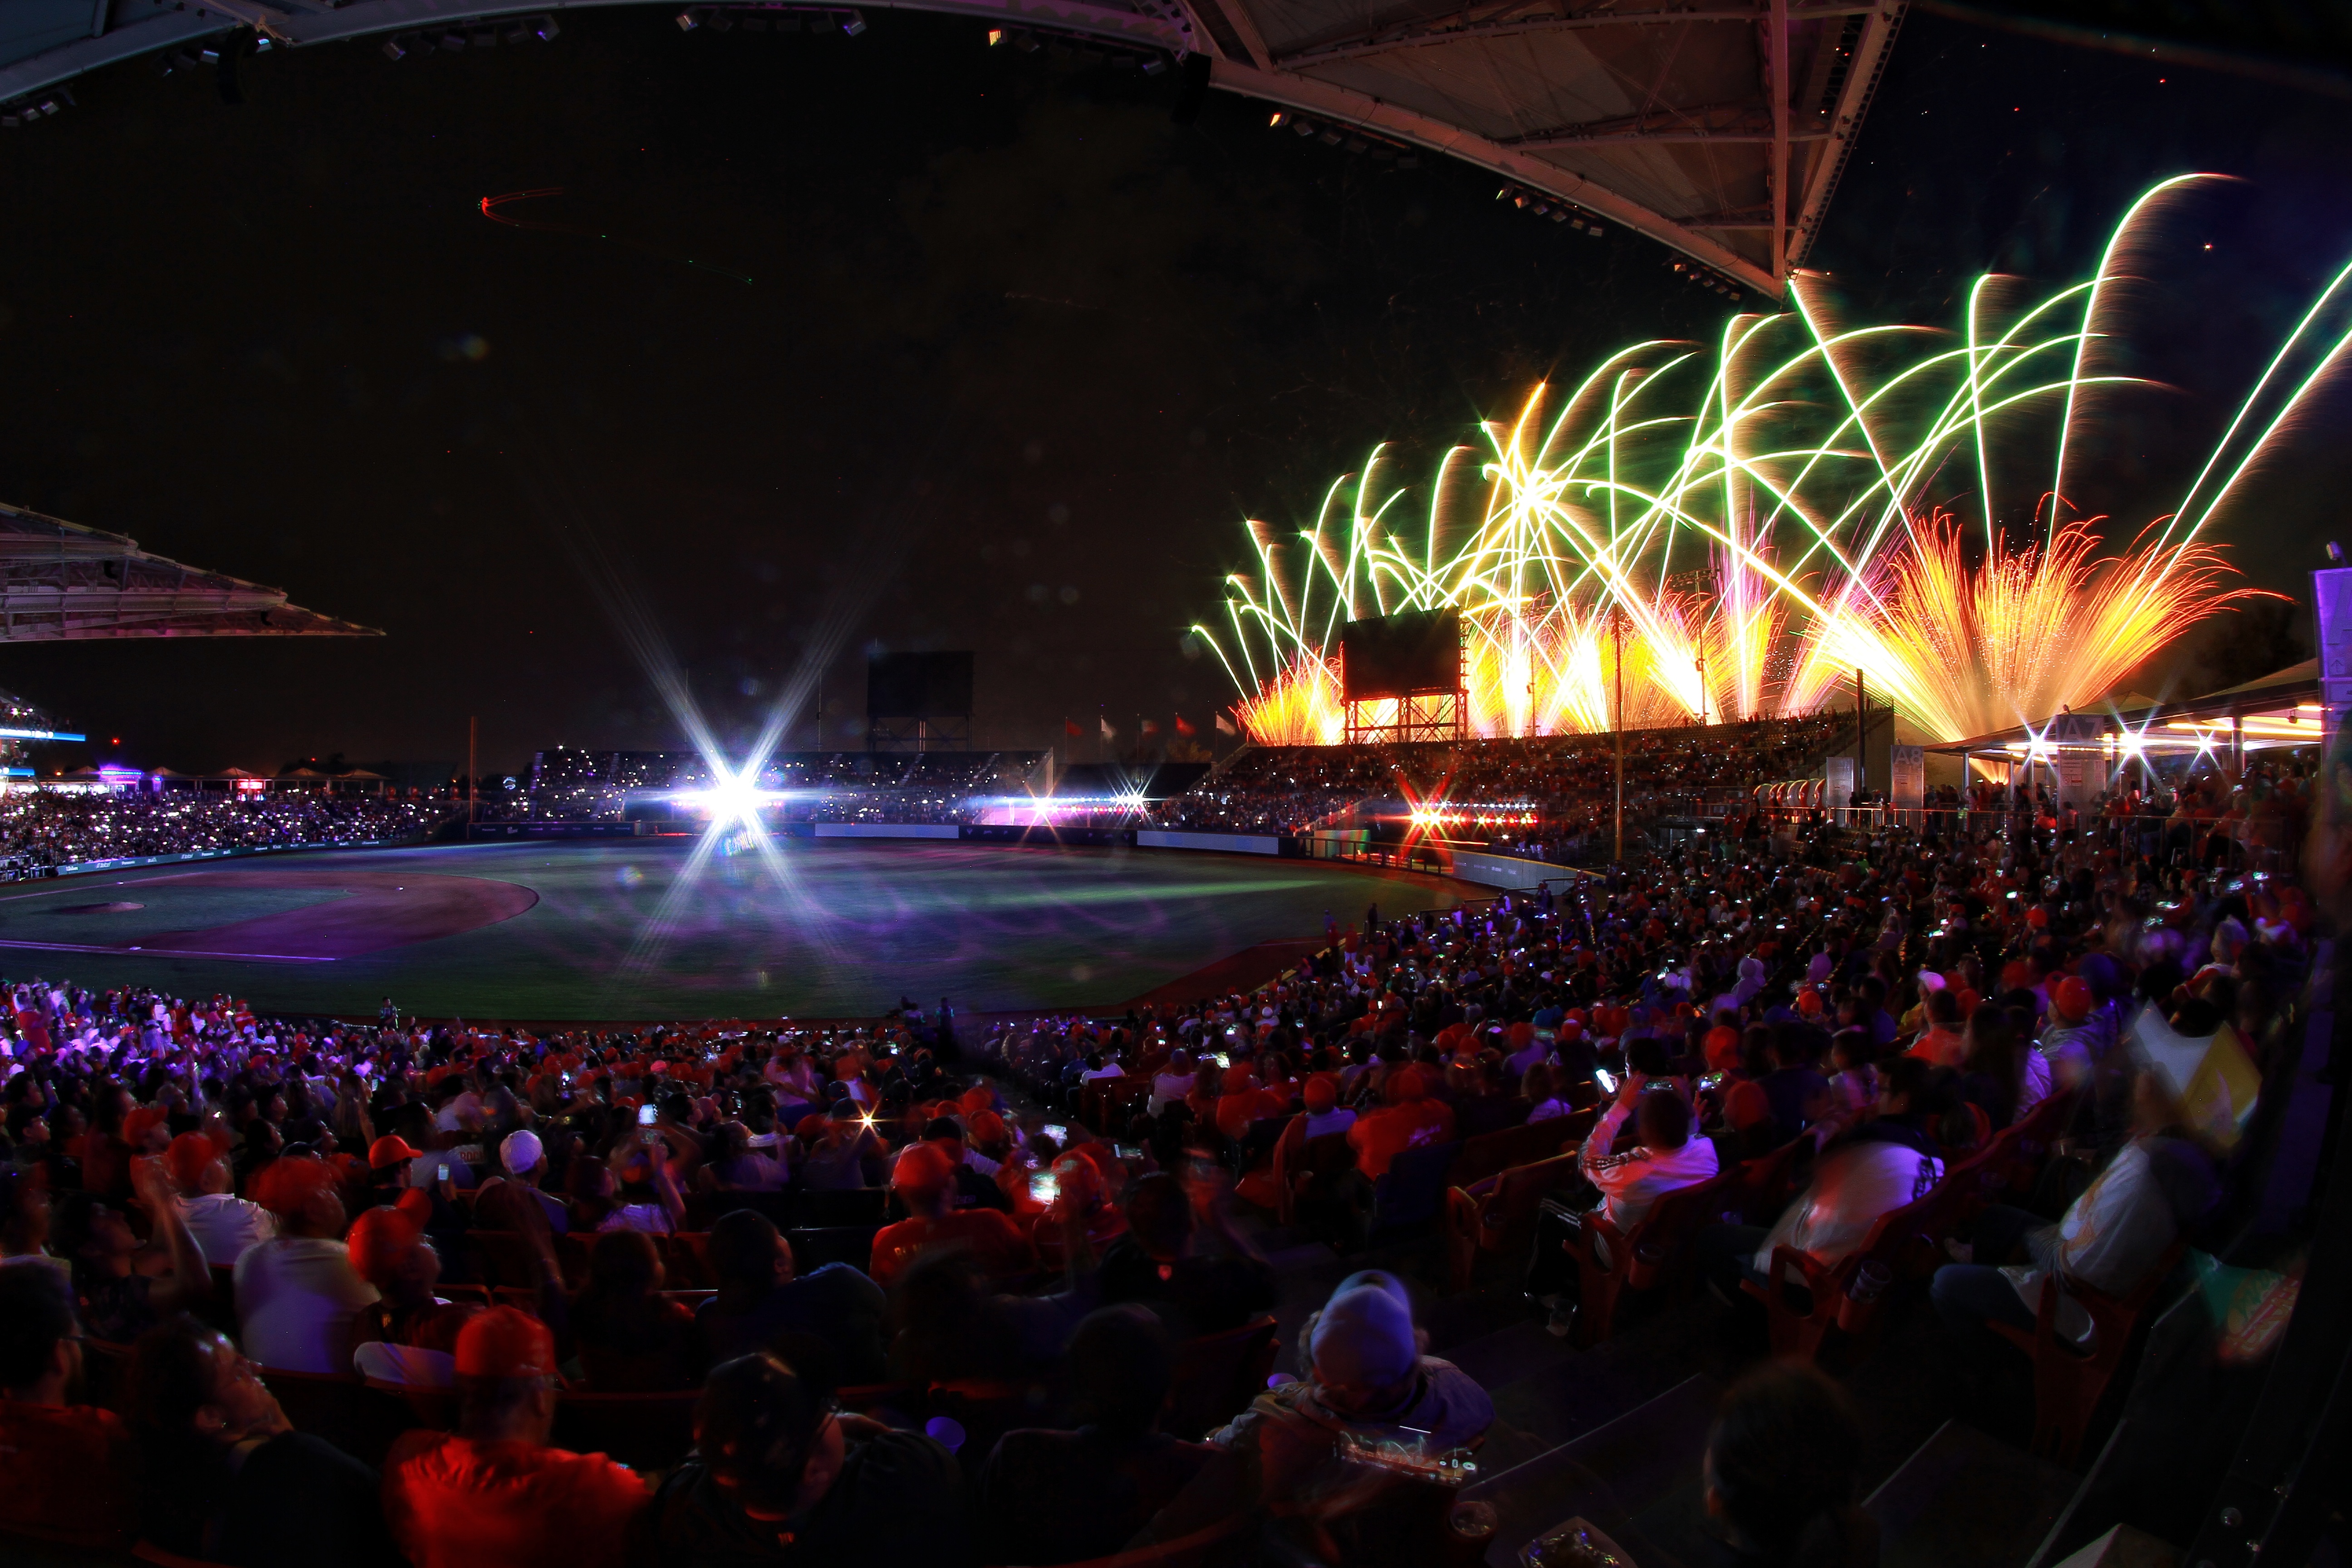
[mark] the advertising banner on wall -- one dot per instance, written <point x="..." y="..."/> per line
<point x="1909" y="786"/>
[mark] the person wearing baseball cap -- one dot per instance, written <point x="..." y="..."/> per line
<point x="409" y="1336"/>
<point x="223" y="1224"/>
<point x="522" y="1164"/>
<point x="492" y="1494"/>
<point x="1367" y="1382"/>
<point x="296" y="1293"/>
<point x="925" y="1182"/>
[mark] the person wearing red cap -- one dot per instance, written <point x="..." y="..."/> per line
<point x="2077" y="1036"/>
<point x="1324" y="1114"/>
<point x="925" y="1181"/>
<point x="223" y="1224"/>
<point x="492" y="1494"/>
<point x="1410" y="1119"/>
<point x="298" y="1296"/>
<point x="1243" y="1103"/>
<point x="409" y="1335"/>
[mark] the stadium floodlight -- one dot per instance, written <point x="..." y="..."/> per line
<point x="854" y="23"/>
<point x="687" y="21"/>
<point x="395" y="48"/>
<point x="544" y="30"/>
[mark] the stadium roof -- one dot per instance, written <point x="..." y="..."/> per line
<point x="1716" y="126"/>
<point x="62" y="583"/>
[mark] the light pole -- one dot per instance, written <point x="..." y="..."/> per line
<point x="1617" y="642"/>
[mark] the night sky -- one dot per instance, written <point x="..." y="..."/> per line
<point x="1016" y="354"/>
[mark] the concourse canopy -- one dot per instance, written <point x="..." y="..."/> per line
<point x="60" y="581"/>
<point x="1716" y="128"/>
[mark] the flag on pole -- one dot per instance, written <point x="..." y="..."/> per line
<point x="1185" y="726"/>
<point x="1071" y="727"/>
<point x="1225" y="726"/>
<point x="1108" y="733"/>
<point x="1151" y="726"/>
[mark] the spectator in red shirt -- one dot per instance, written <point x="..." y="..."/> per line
<point x="1410" y="1119"/>
<point x="1244" y="1102"/>
<point x="492" y="1494"/>
<point x="65" y="1470"/>
<point x="926" y="1185"/>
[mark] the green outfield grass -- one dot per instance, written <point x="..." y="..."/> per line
<point x="617" y="933"/>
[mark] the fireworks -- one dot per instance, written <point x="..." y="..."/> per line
<point x="1752" y="523"/>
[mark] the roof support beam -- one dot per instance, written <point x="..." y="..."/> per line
<point x="1776" y="71"/>
<point x="1330" y="101"/>
<point x="1710" y="122"/>
<point x="1244" y="26"/>
<point x="1845" y="123"/>
<point x="1447" y="30"/>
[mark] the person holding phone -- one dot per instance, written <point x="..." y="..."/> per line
<point x="643" y="1195"/>
<point x="925" y="1182"/>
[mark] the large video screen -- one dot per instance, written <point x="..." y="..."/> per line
<point x="918" y="686"/>
<point x="1411" y="654"/>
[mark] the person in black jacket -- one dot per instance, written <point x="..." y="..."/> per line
<point x="222" y="1474"/>
<point x="777" y="1476"/>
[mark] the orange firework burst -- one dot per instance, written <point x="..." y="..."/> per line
<point x="1298" y="706"/>
<point x="1966" y="650"/>
<point x="1749" y="520"/>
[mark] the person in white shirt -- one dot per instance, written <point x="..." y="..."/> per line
<point x="1666" y="1157"/>
<point x="2111" y="1236"/>
<point x="1173" y="1083"/>
<point x="1877" y="1167"/>
<point x="1324" y="1114"/>
<point x="223" y="1225"/>
<point x="296" y="1294"/>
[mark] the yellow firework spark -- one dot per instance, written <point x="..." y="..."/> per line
<point x="1754" y="521"/>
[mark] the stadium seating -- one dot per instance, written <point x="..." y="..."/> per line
<point x="1609" y="1260"/>
<point x="2068" y="1380"/>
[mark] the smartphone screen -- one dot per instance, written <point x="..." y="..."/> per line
<point x="1606" y="1079"/>
<point x="444" y="1172"/>
<point x="1128" y="1151"/>
<point x="646" y="1114"/>
<point x="1045" y="1186"/>
<point x="1058" y="1133"/>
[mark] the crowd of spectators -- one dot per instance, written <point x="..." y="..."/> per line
<point x="200" y="1201"/>
<point x="1567" y="782"/>
<point x="41" y="830"/>
<point x="570" y="786"/>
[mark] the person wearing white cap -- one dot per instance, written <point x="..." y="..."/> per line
<point x="522" y="1160"/>
<point x="1367" y="1376"/>
<point x="1301" y="1453"/>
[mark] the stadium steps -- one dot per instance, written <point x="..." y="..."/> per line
<point x="1636" y="1476"/>
<point x="1968" y="1501"/>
